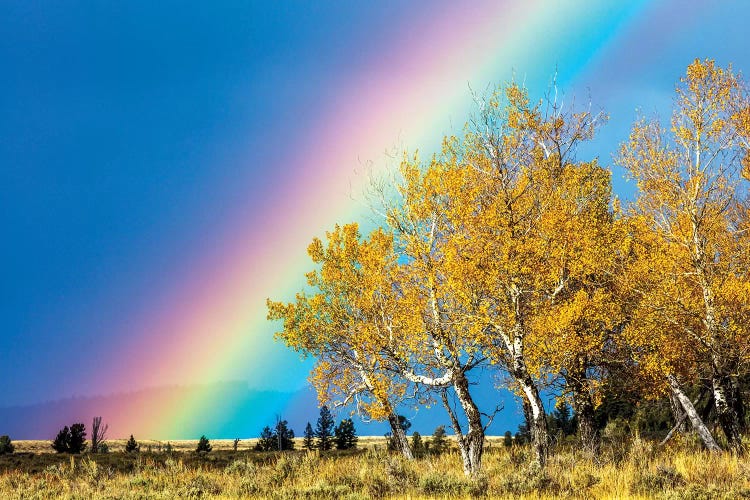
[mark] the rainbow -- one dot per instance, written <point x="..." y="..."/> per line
<point x="209" y="324"/>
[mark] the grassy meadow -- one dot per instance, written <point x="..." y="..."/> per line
<point x="627" y="468"/>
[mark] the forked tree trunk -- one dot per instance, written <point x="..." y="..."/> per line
<point x="474" y="438"/>
<point x="583" y="407"/>
<point x="471" y="444"/>
<point x="695" y="420"/>
<point x="399" y="436"/>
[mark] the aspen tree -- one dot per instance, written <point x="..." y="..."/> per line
<point x="690" y="188"/>
<point x="338" y="324"/>
<point x="526" y="218"/>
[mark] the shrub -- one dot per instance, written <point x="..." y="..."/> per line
<point x="241" y="468"/>
<point x="438" y="483"/>
<point x="6" y="446"/>
<point x="524" y="482"/>
<point x="204" y="446"/>
<point x="664" y="477"/>
<point x="200" y="487"/>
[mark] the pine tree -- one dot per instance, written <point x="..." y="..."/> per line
<point x="70" y="440"/>
<point x="204" y="446"/>
<point x="508" y="439"/>
<point x="324" y="429"/>
<point x="562" y="418"/>
<point x="132" y="445"/>
<point x="61" y="443"/>
<point x="439" y="443"/>
<point x="523" y="435"/>
<point x="77" y="438"/>
<point x="266" y="442"/>
<point x="283" y="436"/>
<point x="6" y="446"/>
<point x="309" y="441"/>
<point x="346" y="435"/>
<point x="417" y="447"/>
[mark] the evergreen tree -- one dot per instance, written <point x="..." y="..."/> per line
<point x="70" y="439"/>
<point x="561" y="417"/>
<point x="439" y="443"/>
<point x="508" y="439"/>
<point x="266" y="442"/>
<point x="417" y="447"/>
<point x="346" y="435"/>
<point x="324" y="429"/>
<point x="132" y="445"/>
<point x="283" y="436"/>
<point x="204" y="446"/>
<point x="309" y="442"/>
<point x="6" y="446"/>
<point x="524" y="434"/>
<point x="61" y="443"/>
<point x="77" y="438"/>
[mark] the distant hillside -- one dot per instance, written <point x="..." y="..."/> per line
<point x="227" y="410"/>
<point x="232" y="410"/>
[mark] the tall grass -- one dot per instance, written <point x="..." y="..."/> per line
<point x="634" y="468"/>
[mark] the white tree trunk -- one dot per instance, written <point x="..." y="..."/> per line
<point x="692" y="415"/>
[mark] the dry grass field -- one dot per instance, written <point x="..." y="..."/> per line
<point x="635" y="468"/>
